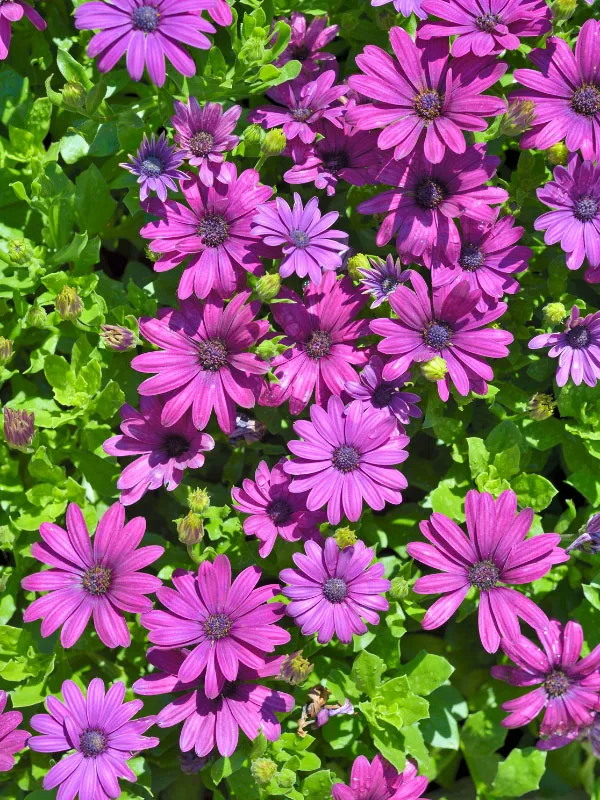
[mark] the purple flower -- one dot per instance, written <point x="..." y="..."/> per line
<point x="12" y="738"/>
<point x="496" y="551"/>
<point x="589" y="536"/>
<point x="404" y="7"/>
<point x="148" y="31"/>
<point x="101" y="731"/>
<point x="103" y="580"/>
<point x="320" y="333"/>
<point x="164" y="453"/>
<point x="334" y="591"/>
<point x="204" y="134"/>
<point x="204" y="363"/>
<point x="306" y="43"/>
<point x="221" y="13"/>
<point x="379" y="780"/>
<point x="155" y="164"/>
<point x="273" y="510"/>
<point x="568" y="688"/>
<point x="384" y="397"/>
<point x="325" y="714"/>
<point x="574" y="197"/>
<point x="488" y="260"/>
<point x="301" y="105"/>
<point x="445" y="325"/>
<point x="19" y="427"/>
<point x="13" y="11"/>
<point x="225" y="624"/>
<point x="302" y="236"/>
<point x="566" y="93"/>
<point x="213" y="228"/>
<point x="247" y="430"/>
<point x="345" y="457"/>
<point x="428" y="197"/>
<point x="382" y="278"/>
<point x="577" y="348"/>
<point x="423" y="100"/>
<point x="485" y="27"/>
<point x="210" y="723"/>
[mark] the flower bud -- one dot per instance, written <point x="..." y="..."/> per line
<point x="74" y="94"/>
<point x="286" y="778"/>
<point x="356" y="263"/>
<point x="253" y="135"/>
<point x="19" y="252"/>
<point x="263" y="770"/>
<point x="554" y="313"/>
<point x="6" y="350"/>
<point x="274" y="142"/>
<point x="68" y="304"/>
<point x="190" y="529"/>
<point x="118" y="338"/>
<point x="399" y="588"/>
<point x="541" y="407"/>
<point x="296" y="669"/>
<point x="434" y="370"/>
<point x="19" y="428"/>
<point x="563" y="9"/>
<point x="558" y="154"/>
<point x="35" y="317"/>
<point x="151" y="255"/>
<point x="589" y="536"/>
<point x="345" y="537"/>
<point x="267" y="287"/>
<point x="198" y="500"/>
<point x="518" y="119"/>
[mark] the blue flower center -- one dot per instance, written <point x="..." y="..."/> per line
<point x="300" y="238"/>
<point x="437" y="335"/>
<point x="484" y="575"/>
<point x="428" y="104"/>
<point x="389" y="284"/>
<point x="145" y="18"/>
<point x="586" y="100"/>
<point x="429" y="193"/>
<point x="556" y="683"/>
<point x="96" y="580"/>
<point x="487" y="22"/>
<point x="345" y="459"/>
<point x="319" y="345"/>
<point x="212" y="354"/>
<point x="301" y="114"/>
<point x="175" y="445"/>
<point x="202" y="143"/>
<point x="335" y="590"/>
<point x="586" y="208"/>
<point x="217" y="626"/>
<point x="152" y="167"/>
<point x="92" y="743"/>
<point x="213" y="230"/>
<point x="382" y="396"/>
<point x="279" y="511"/>
<point x="471" y="257"/>
<point x="578" y="337"/>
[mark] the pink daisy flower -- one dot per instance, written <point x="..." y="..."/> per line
<point x="12" y="11"/>
<point x="577" y="348"/>
<point x="307" y="42"/>
<point x="12" y="738"/>
<point x="379" y="780"/>
<point x="384" y="397"/>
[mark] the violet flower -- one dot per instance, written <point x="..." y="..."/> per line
<point x="155" y="165"/>
<point x="12" y="11"/>
<point x="382" y="396"/>
<point x="577" y="348"/>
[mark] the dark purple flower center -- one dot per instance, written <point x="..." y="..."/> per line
<point x="578" y="337"/>
<point x="202" y="143"/>
<point x="487" y="22"/>
<point x="428" y="104"/>
<point x="96" y="580"/>
<point x="175" y="445"/>
<point x="301" y="114"/>
<point x="345" y="459"/>
<point x="335" y="590"/>
<point x="217" y="626"/>
<point x="556" y="684"/>
<point x="471" y="257"/>
<point x="382" y="396"/>
<point x="437" y="335"/>
<point x="300" y="238"/>
<point x="145" y="18"/>
<point x="586" y="100"/>
<point x="279" y="511"/>
<point x="92" y="742"/>
<point x="484" y="575"/>
<point x="319" y="345"/>
<point x="334" y="162"/>
<point x="152" y="167"/>
<point x="388" y="284"/>
<point x="586" y="208"/>
<point x="429" y="193"/>
<point x="213" y="230"/>
<point x="299" y="52"/>
<point x="212" y="355"/>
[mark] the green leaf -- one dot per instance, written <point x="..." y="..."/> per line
<point x="71" y="70"/>
<point x="318" y="785"/>
<point x="479" y="456"/>
<point x="482" y="733"/>
<point x="95" y="205"/>
<point x="533" y="491"/>
<point x="367" y="671"/>
<point x="426" y="672"/>
<point x="519" y="773"/>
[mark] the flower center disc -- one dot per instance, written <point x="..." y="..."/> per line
<point x="202" y="143"/>
<point x="334" y="162"/>
<point x="319" y="345"/>
<point x="382" y="396"/>
<point x="335" y="590"/>
<point x="429" y="194"/>
<point x="96" y="580"/>
<point x="586" y="208"/>
<point x="92" y="743"/>
<point x="213" y="230"/>
<point x="578" y="337"/>
<point x="487" y="22"/>
<point x="175" y="445"/>
<point x="212" y="354"/>
<point x="152" y="167"/>
<point x="345" y="459"/>
<point x="301" y="114"/>
<point x="428" y="104"/>
<point x="471" y="257"/>
<point x="556" y="684"/>
<point x="145" y="19"/>
<point x="217" y="626"/>
<point x="437" y="335"/>
<point x="484" y="575"/>
<point x="300" y="238"/>
<point x="279" y="511"/>
<point x="586" y="100"/>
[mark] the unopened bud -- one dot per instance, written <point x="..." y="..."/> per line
<point x="19" y="252"/>
<point x="541" y="407"/>
<point x="19" y="428"/>
<point x="554" y="313"/>
<point x="198" y="500"/>
<point x="151" y="255"/>
<point x="399" y="588"/>
<point x="434" y="370"/>
<point x="118" y="338"/>
<point x="74" y="94"/>
<point x="589" y="536"/>
<point x="253" y="135"/>
<point x="563" y="9"/>
<point x="267" y="287"/>
<point x="6" y="350"/>
<point x="68" y="304"/>
<point x="190" y="529"/>
<point x="263" y="770"/>
<point x="355" y="264"/>
<point x="518" y="119"/>
<point x="558" y="155"/>
<point x="296" y="669"/>
<point x="345" y="537"/>
<point x="35" y="317"/>
<point x="274" y="142"/>
<point x="286" y="778"/>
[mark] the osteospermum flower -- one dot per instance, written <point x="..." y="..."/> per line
<point x="447" y="326"/>
<point x="19" y="427"/>
<point x="12" y="738"/>
<point x="214" y="723"/>
<point x="382" y="278"/>
<point x="384" y="396"/>
<point x="589" y="536"/>
<point x="320" y="334"/>
<point x="204" y="363"/>
<point x="568" y="688"/>
<point x="155" y="164"/>
<point x="379" y="780"/>
<point x="273" y="510"/>
<point x="12" y="11"/>
<point x="334" y="591"/>
<point x="422" y="99"/>
<point x="204" y="134"/>
<point x="421" y="210"/>
<point x="307" y="42"/>
<point x="148" y="31"/>
<point x="302" y="237"/>
<point x="404" y="7"/>
<point x="224" y="624"/>
<point x="566" y="93"/>
<point x="213" y="228"/>
<point x="485" y="27"/>
<point x="577" y="348"/>
<point x="164" y="453"/>
<point x="100" y="730"/>
<point x="345" y="457"/>
<point x="495" y="552"/>
<point x="103" y="580"/>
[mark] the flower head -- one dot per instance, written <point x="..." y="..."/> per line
<point x="12" y="738"/>
<point x="103" y="580"/>
<point x="19" y="428"/>
<point x="589" y="536"/>
<point x="384" y="397"/>
<point x="382" y="277"/>
<point x="118" y="338"/>
<point x="295" y="669"/>
<point x="577" y="348"/>
<point x="13" y="11"/>
<point x="379" y="780"/>
<point x="541" y="407"/>
<point x="307" y="42"/>
<point x="155" y="164"/>
<point x="6" y="350"/>
<point x="496" y="551"/>
<point x="334" y="591"/>
<point x="69" y="306"/>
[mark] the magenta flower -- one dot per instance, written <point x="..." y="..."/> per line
<point x="568" y="688"/>
<point x="204" y="363"/>
<point x="384" y="397"/>
<point x="577" y="349"/>
<point x="574" y="197"/>
<point x="345" y="457"/>
<point x="204" y="134"/>
<point x="445" y="325"/>
<point x="155" y="164"/>
<point x="485" y="27"/>
<point x="303" y="238"/>
<point x="164" y="453"/>
<point x="213" y="228"/>
<point x="101" y="731"/>
<point x="301" y="105"/>
<point x="489" y="258"/>
<point x="566" y="93"/>
<point x="404" y="7"/>
<point x="421" y="210"/>
<point x="148" y="31"/>
<point x="320" y="333"/>
<point x="333" y="591"/>
<point x="423" y="101"/>
<point x="496" y="551"/>
<point x="382" y="277"/>
<point x="226" y="624"/>
<point x="379" y="780"/>
<point x="12" y="11"/>
<point x="307" y="42"/>
<point x="214" y="723"/>
<point x="273" y="510"/>
<point x="102" y="581"/>
<point x="12" y="738"/>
